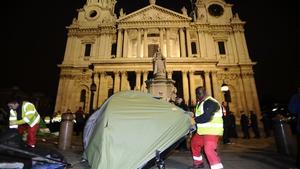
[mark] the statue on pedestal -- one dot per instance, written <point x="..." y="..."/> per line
<point x="159" y="65"/>
<point x="160" y="86"/>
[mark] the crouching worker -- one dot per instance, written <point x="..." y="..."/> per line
<point x="23" y="116"/>
<point x="209" y="122"/>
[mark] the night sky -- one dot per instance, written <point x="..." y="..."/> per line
<point x="34" y="37"/>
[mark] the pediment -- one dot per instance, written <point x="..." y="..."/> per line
<point x="153" y="13"/>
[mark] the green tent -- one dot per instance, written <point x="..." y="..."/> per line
<point x="129" y="128"/>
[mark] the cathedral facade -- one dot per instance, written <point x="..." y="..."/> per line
<point x="107" y="53"/>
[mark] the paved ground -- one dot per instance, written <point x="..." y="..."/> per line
<point x="244" y="154"/>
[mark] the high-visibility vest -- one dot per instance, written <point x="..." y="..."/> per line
<point x="214" y="126"/>
<point x="29" y="114"/>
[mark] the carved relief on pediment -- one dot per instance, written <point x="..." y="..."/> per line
<point x="154" y="14"/>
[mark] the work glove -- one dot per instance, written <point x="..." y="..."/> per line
<point x="13" y="123"/>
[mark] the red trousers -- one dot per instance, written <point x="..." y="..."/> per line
<point x="209" y="143"/>
<point x="31" y="137"/>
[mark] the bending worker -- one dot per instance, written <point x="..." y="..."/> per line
<point x="209" y="122"/>
<point x="23" y="116"/>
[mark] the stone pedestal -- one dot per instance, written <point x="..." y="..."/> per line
<point x="162" y="88"/>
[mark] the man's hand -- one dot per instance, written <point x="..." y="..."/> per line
<point x="191" y="114"/>
<point x="193" y="121"/>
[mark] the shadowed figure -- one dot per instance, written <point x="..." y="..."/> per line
<point x="245" y="125"/>
<point x="254" y="125"/>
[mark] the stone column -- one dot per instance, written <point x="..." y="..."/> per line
<point x="255" y="97"/>
<point x="68" y="52"/>
<point x="108" y="42"/>
<point x="102" y="46"/>
<point x="97" y="92"/>
<point x="161" y="40"/>
<point x="182" y="43"/>
<point x="210" y="49"/>
<point x="145" y="77"/>
<point x="125" y="45"/>
<point x="234" y="49"/>
<point x="123" y="80"/>
<point x="248" y="91"/>
<point x="119" y="43"/>
<point x="66" y="90"/>
<point x="192" y="87"/>
<point x="168" y="43"/>
<point x="116" y="82"/>
<point x="59" y="97"/>
<point x="139" y="43"/>
<point x="244" y="44"/>
<point x="71" y="93"/>
<point x="98" y="50"/>
<point x="239" y="43"/>
<point x="207" y="83"/>
<point x="202" y="44"/>
<point x="216" y="87"/>
<point x="243" y="95"/>
<point x="100" y="88"/>
<point x="145" y="43"/>
<point x="185" y="86"/>
<point x="188" y="42"/>
<point x="138" y="80"/>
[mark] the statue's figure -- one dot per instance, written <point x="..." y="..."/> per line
<point x="159" y="65"/>
<point x="122" y="12"/>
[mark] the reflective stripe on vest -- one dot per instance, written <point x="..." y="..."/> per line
<point x="12" y="117"/>
<point x="214" y="126"/>
<point x="31" y="117"/>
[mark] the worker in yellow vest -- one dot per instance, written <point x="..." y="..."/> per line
<point x="23" y="116"/>
<point x="209" y="122"/>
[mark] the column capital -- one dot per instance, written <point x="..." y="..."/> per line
<point x="138" y="71"/>
<point x="117" y="72"/>
<point x="185" y="71"/>
<point x="123" y="72"/>
<point x="191" y="72"/>
<point x="206" y="71"/>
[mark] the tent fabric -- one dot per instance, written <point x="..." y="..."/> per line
<point x="129" y="128"/>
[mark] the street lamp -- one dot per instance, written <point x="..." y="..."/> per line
<point x="226" y="92"/>
<point x="93" y="88"/>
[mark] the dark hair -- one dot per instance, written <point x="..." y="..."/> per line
<point x="15" y="99"/>
<point x="200" y="90"/>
